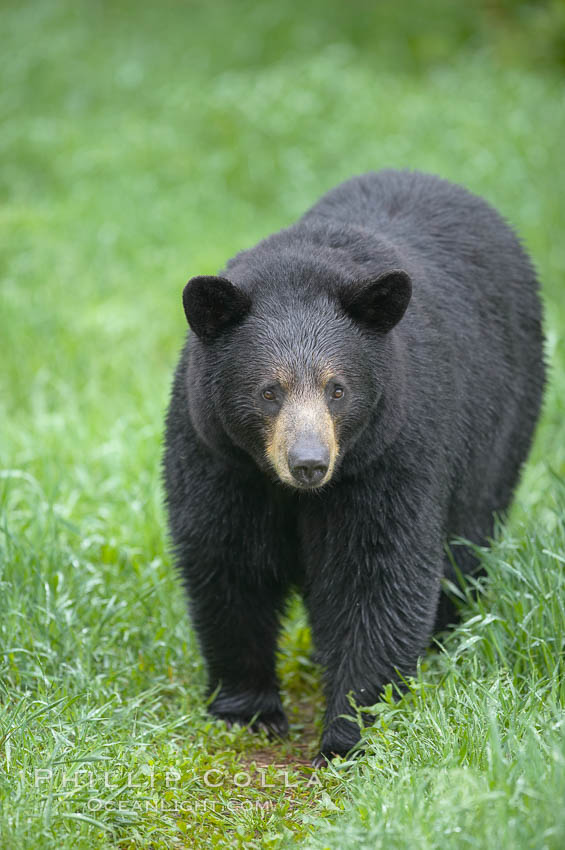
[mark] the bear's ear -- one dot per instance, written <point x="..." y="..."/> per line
<point x="212" y="304"/>
<point x="378" y="303"/>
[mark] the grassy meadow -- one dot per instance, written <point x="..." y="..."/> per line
<point x="141" y="144"/>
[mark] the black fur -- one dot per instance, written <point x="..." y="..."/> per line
<point x="441" y="406"/>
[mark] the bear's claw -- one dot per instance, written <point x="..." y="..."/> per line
<point x="274" y="724"/>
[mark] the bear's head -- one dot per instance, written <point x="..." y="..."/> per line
<point x="289" y="366"/>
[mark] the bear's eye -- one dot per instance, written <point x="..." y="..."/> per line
<point x="269" y="395"/>
<point x="337" y="392"/>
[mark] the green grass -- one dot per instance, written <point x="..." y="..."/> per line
<point x="141" y="145"/>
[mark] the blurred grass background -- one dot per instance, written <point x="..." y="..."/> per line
<point x="141" y="144"/>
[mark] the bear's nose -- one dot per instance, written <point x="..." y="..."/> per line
<point x="308" y="463"/>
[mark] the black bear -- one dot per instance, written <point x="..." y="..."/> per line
<point x="357" y="390"/>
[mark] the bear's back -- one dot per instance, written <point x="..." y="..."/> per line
<point x="426" y="217"/>
<point x="471" y="276"/>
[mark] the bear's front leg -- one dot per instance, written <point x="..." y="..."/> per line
<point x="238" y="627"/>
<point x="373" y="583"/>
<point x="237" y="583"/>
<point x="236" y="618"/>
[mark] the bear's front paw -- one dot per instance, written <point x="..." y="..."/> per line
<point x="275" y="725"/>
<point x="258" y="712"/>
<point x="338" y="740"/>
